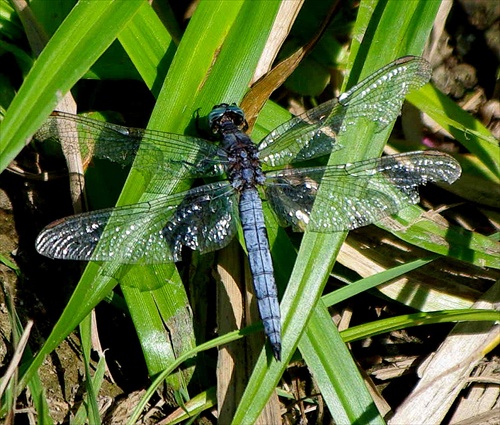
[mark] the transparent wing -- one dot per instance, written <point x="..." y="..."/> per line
<point x="166" y="152"/>
<point x="354" y="195"/>
<point x="378" y="98"/>
<point x="203" y="219"/>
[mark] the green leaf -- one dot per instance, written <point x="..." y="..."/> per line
<point x="465" y="128"/>
<point x="372" y="281"/>
<point x="193" y="81"/>
<point x="85" y="34"/>
<point x="149" y="46"/>
<point x="339" y="382"/>
<point x="453" y="241"/>
<point x="417" y="319"/>
<point x="402" y="28"/>
<point x="192" y="69"/>
<point x="89" y="410"/>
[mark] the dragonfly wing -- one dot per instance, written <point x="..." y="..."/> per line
<point x="354" y="195"/>
<point x="166" y="152"/>
<point x="303" y="137"/>
<point x="378" y="98"/>
<point x="202" y="218"/>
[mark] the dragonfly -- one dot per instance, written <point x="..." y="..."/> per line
<point x="207" y="217"/>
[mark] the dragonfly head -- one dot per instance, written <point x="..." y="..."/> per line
<point x="225" y="113"/>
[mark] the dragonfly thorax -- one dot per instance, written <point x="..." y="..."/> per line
<point x="244" y="168"/>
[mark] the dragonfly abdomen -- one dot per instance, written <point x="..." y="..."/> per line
<point x="261" y="266"/>
<point x="245" y="173"/>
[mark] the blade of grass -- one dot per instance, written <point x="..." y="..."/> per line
<point x="444" y="239"/>
<point x="349" y="335"/>
<point x="149" y="46"/>
<point x="395" y="23"/>
<point x="86" y="33"/>
<point x="180" y="93"/>
<point x="200" y="403"/>
<point x="465" y="128"/>
<point x="89" y="410"/>
<point x="188" y="73"/>
<point x="325" y="351"/>
<point x="417" y="319"/>
<point x="373" y="281"/>
<point x="9" y="387"/>
<point x="407" y="35"/>
<point x="83" y="36"/>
